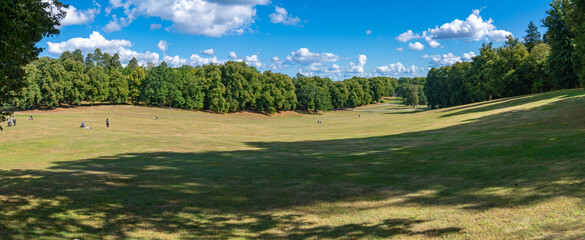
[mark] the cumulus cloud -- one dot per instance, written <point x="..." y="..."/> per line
<point x="407" y="36"/>
<point x="253" y="61"/>
<point x="233" y="55"/>
<point x="175" y="61"/>
<point x="155" y="26"/>
<point x="212" y="18"/>
<point x="115" y="24"/>
<point x="473" y="28"/>
<point x="305" y="57"/>
<point x="448" y="59"/>
<point x="468" y="56"/>
<point x="208" y="52"/>
<point x="281" y="16"/>
<point x="197" y="60"/>
<point x="416" y="46"/>
<point x="400" y="49"/>
<point x="358" y="67"/>
<point x="79" y="17"/>
<point x="96" y="40"/>
<point x="396" y="69"/>
<point x="163" y="45"/>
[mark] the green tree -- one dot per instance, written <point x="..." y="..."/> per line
<point x="23" y="23"/>
<point x="411" y="97"/>
<point x="577" y="20"/>
<point x="118" y="88"/>
<point x="134" y="83"/>
<point x="560" y="37"/>
<point x="533" y="36"/>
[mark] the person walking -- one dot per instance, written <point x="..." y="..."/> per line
<point x="107" y="123"/>
<point x="14" y="121"/>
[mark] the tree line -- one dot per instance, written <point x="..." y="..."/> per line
<point x="536" y="64"/>
<point x="230" y="87"/>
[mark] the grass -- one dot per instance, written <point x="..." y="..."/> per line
<point x="506" y="169"/>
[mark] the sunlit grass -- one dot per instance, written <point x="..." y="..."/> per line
<point x="509" y="168"/>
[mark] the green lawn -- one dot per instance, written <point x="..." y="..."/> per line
<point x="505" y="169"/>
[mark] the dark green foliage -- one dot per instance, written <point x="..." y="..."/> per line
<point x="230" y="87"/>
<point x="560" y="37"/>
<point x="411" y="97"/>
<point x="577" y="20"/>
<point x="533" y="36"/>
<point x="22" y="24"/>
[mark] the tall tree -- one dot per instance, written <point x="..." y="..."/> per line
<point x="532" y="37"/>
<point x="577" y="17"/>
<point x="23" y="24"/>
<point x="560" y="38"/>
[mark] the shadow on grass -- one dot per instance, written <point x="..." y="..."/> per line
<point x="222" y="194"/>
<point x="507" y="102"/>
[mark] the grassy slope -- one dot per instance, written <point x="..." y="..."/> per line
<point x="511" y="168"/>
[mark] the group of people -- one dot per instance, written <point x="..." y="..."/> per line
<point x="84" y="127"/>
<point x="12" y="121"/>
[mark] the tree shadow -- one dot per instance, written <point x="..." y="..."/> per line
<point x="220" y="194"/>
<point x="506" y="103"/>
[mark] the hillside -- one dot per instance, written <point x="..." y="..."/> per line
<point x="509" y="168"/>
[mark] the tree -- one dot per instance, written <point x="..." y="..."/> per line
<point x="411" y="97"/>
<point x="577" y="20"/>
<point x="560" y="38"/>
<point x="23" y="24"/>
<point x="134" y="81"/>
<point x="533" y="36"/>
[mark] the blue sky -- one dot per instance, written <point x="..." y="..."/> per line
<point x="330" y="38"/>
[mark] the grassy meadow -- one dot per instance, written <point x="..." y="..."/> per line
<point x="511" y="168"/>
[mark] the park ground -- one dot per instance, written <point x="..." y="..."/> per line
<point x="511" y="168"/>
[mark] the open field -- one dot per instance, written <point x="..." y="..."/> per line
<point x="511" y="168"/>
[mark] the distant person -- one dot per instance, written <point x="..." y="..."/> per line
<point x="359" y="115"/>
<point x="10" y="121"/>
<point x="30" y="117"/>
<point x="14" y="121"/>
<point x="82" y="124"/>
<point x="107" y="123"/>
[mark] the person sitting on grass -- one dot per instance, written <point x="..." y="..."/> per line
<point x="82" y="124"/>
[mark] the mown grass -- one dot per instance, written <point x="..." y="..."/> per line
<point x="506" y="169"/>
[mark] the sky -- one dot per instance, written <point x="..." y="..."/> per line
<point x="338" y="39"/>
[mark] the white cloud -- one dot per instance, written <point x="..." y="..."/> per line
<point x="473" y="28"/>
<point x="212" y="18"/>
<point x="163" y="45"/>
<point x="253" y="61"/>
<point x="407" y="36"/>
<point x="369" y="32"/>
<point x="448" y="59"/>
<point x="416" y="46"/>
<point x="468" y="56"/>
<point x="116" y="24"/>
<point x="396" y="69"/>
<point x="281" y="16"/>
<point x="432" y="43"/>
<point x="233" y="55"/>
<point x="96" y="40"/>
<point x="197" y="60"/>
<point x="208" y="52"/>
<point x="155" y="26"/>
<point x="175" y="61"/>
<point x="358" y="67"/>
<point x="305" y="57"/>
<point x="400" y="49"/>
<point x="79" y="17"/>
